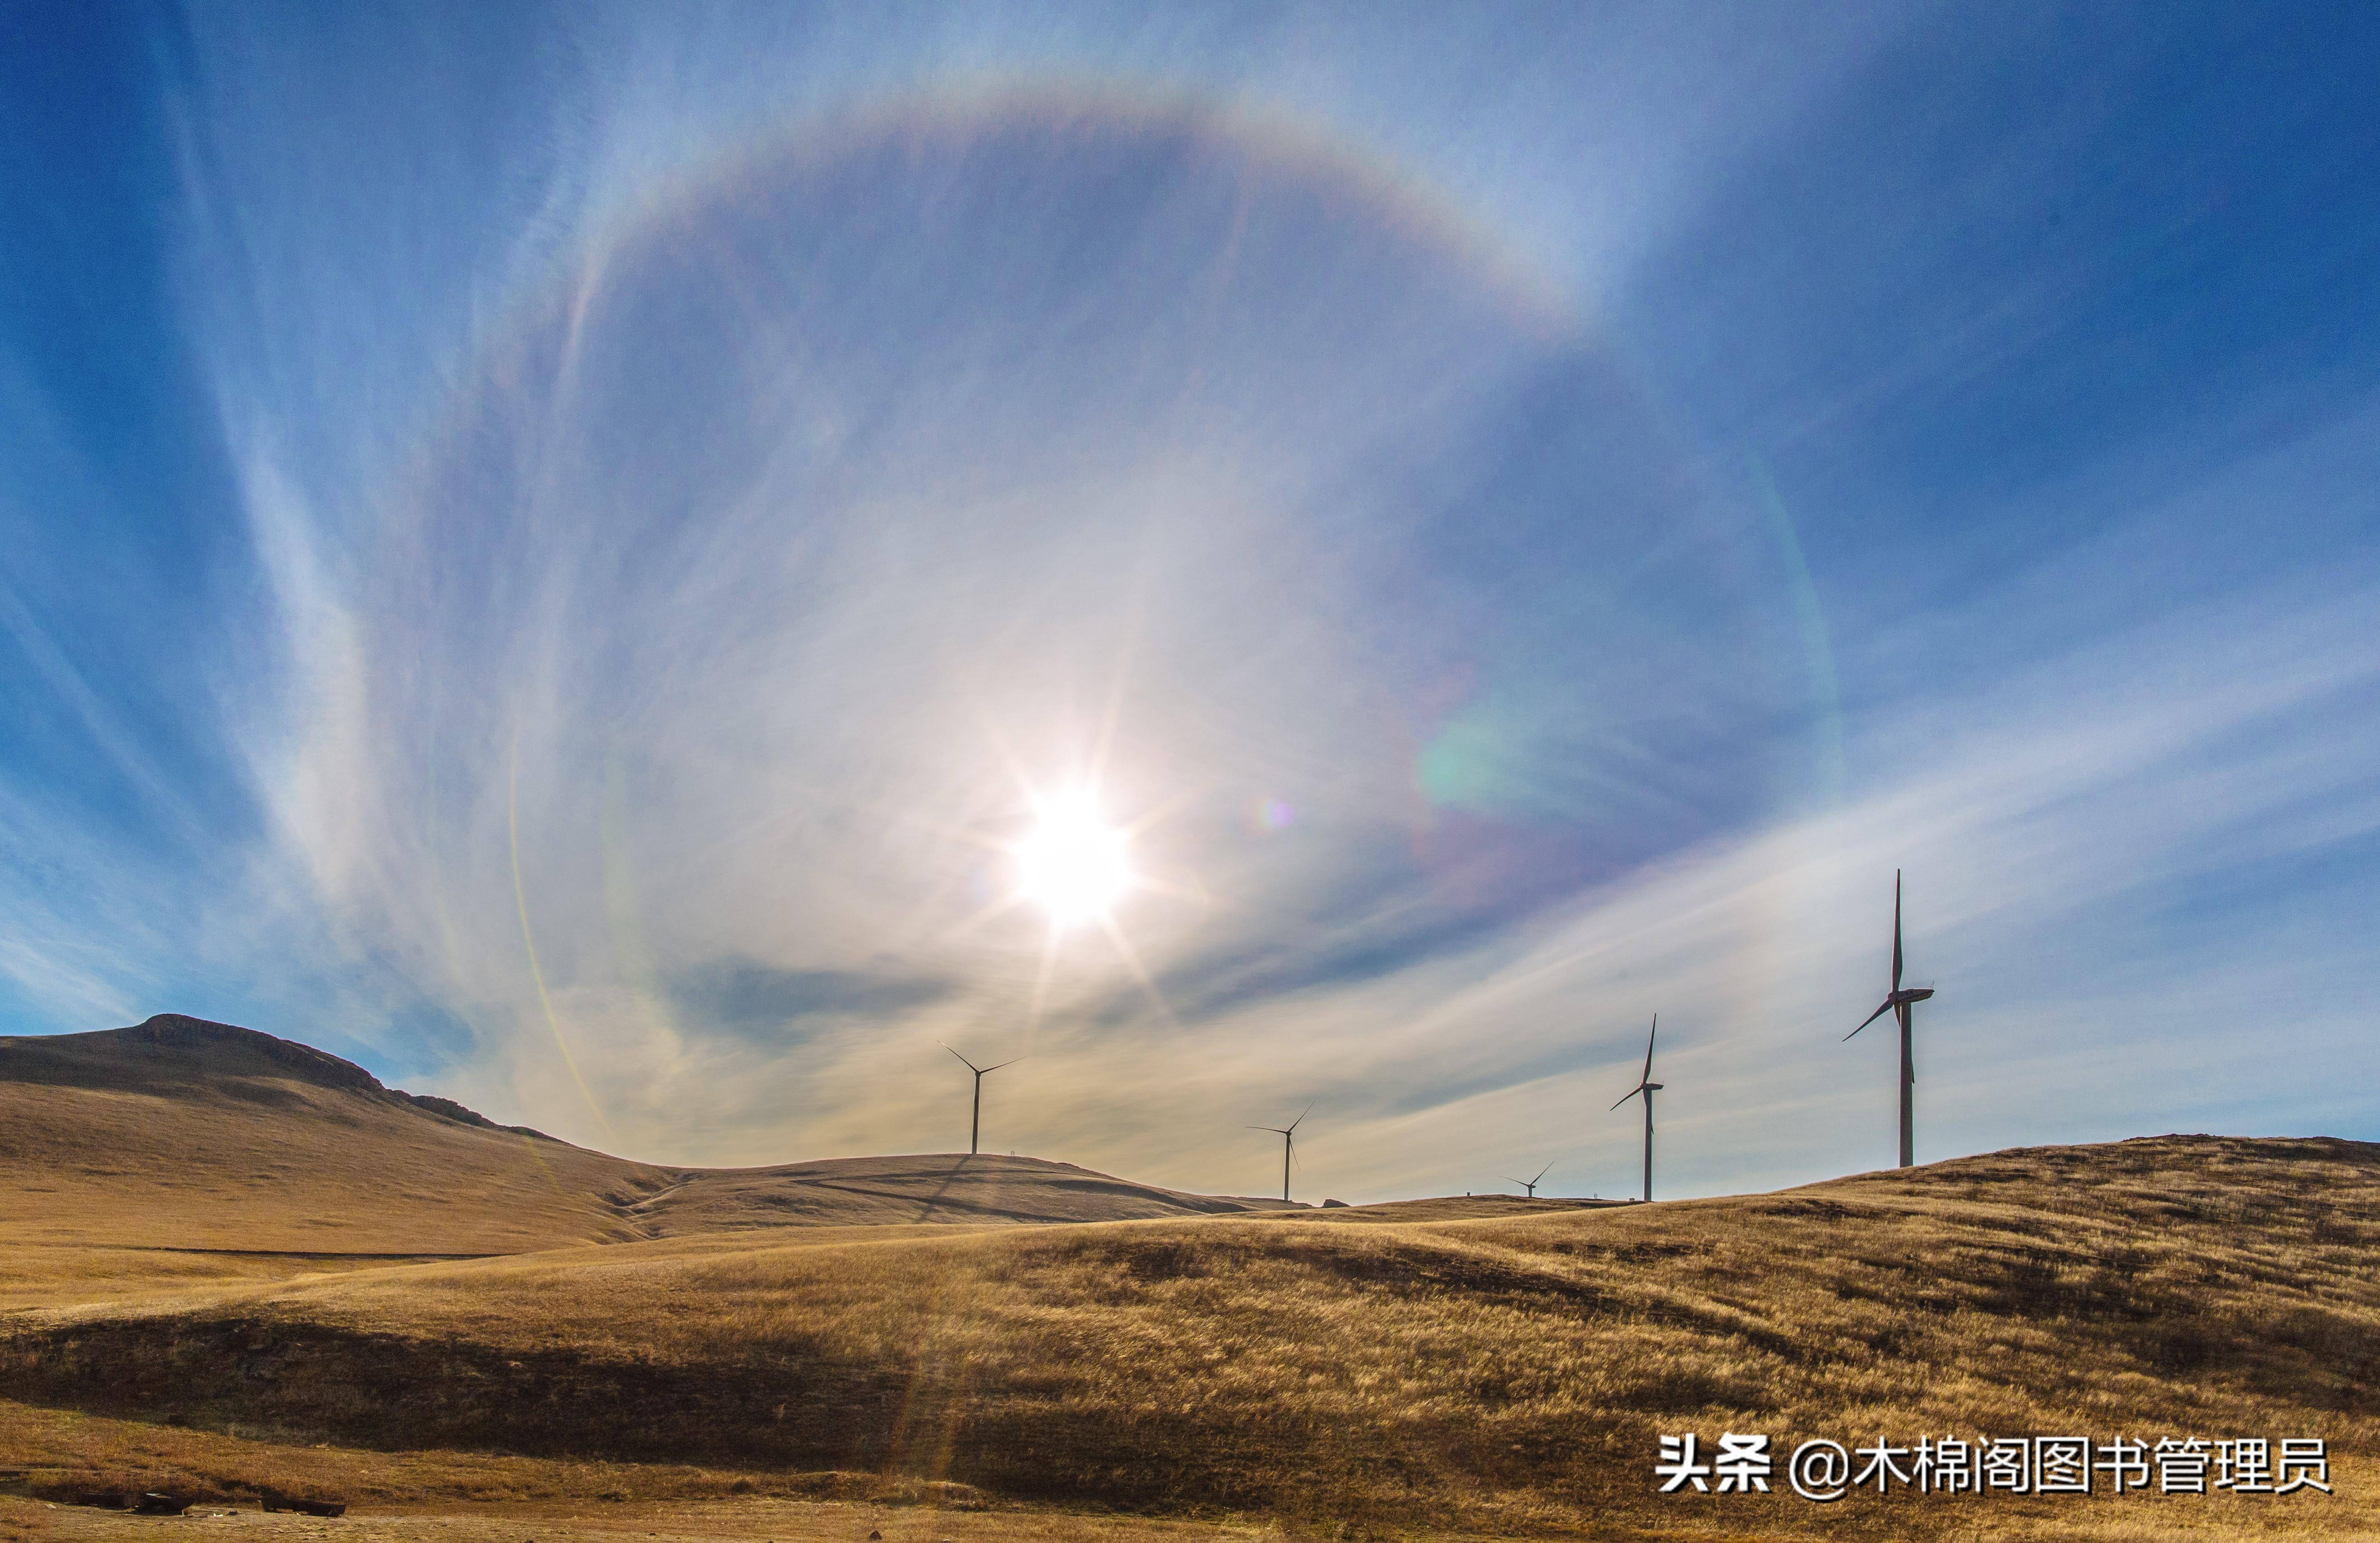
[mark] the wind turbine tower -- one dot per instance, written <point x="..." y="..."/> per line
<point x="1288" y="1143"/>
<point x="1647" y="1086"/>
<point x="975" y="1125"/>
<point x="1898" y="1003"/>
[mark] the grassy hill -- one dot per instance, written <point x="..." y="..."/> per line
<point x="180" y="1134"/>
<point x="183" y="1133"/>
<point x="1506" y="1373"/>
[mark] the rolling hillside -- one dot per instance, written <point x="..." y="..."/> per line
<point x="1489" y="1365"/>
<point x="1504" y="1375"/>
<point x="183" y="1137"/>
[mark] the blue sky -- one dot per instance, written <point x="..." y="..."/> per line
<point x="547" y="550"/>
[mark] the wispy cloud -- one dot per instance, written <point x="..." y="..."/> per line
<point x="693" y="478"/>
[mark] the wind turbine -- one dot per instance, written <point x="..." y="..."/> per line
<point x="1288" y="1142"/>
<point x="1530" y="1185"/>
<point x="1898" y="1003"/>
<point x="974" y="1126"/>
<point x="1647" y="1087"/>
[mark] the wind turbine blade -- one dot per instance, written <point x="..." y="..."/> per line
<point x="1648" y="1048"/>
<point x="988" y="1070"/>
<point x="963" y="1059"/>
<point x="1542" y="1172"/>
<point x="1640" y="1088"/>
<point x="1896" y="930"/>
<point x="1871" y="1018"/>
<point x="1301" y="1119"/>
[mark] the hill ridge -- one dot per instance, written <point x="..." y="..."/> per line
<point x="1504" y="1377"/>
<point x="182" y="1132"/>
<point x="94" y="1059"/>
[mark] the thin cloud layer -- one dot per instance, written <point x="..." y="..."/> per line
<point x="1523" y="528"/>
<point x="771" y="569"/>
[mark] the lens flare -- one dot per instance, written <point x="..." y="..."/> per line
<point x="1073" y="863"/>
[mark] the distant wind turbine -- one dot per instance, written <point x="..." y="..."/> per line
<point x="1531" y="1184"/>
<point x="974" y="1126"/>
<point x="1898" y="1003"/>
<point x="1647" y="1086"/>
<point x="1288" y="1142"/>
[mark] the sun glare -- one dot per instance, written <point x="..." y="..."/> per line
<point x="1072" y="863"/>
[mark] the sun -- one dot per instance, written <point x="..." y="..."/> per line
<point x="1073" y="863"/>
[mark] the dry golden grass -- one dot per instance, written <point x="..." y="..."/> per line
<point x="216" y="1145"/>
<point x="233" y="1234"/>
<point x="321" y="1172"/>
<point x="461" y="1498"/>
<point x="1505" y="1376"/>
<point x="60" y="1454"/>
<point x="181" y="1134"/>
<point x="1448" y="1208"/>
<point x="758" y="1519"/>
<point x="45" y="1274"/>
<point x="950" y="1188"/>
